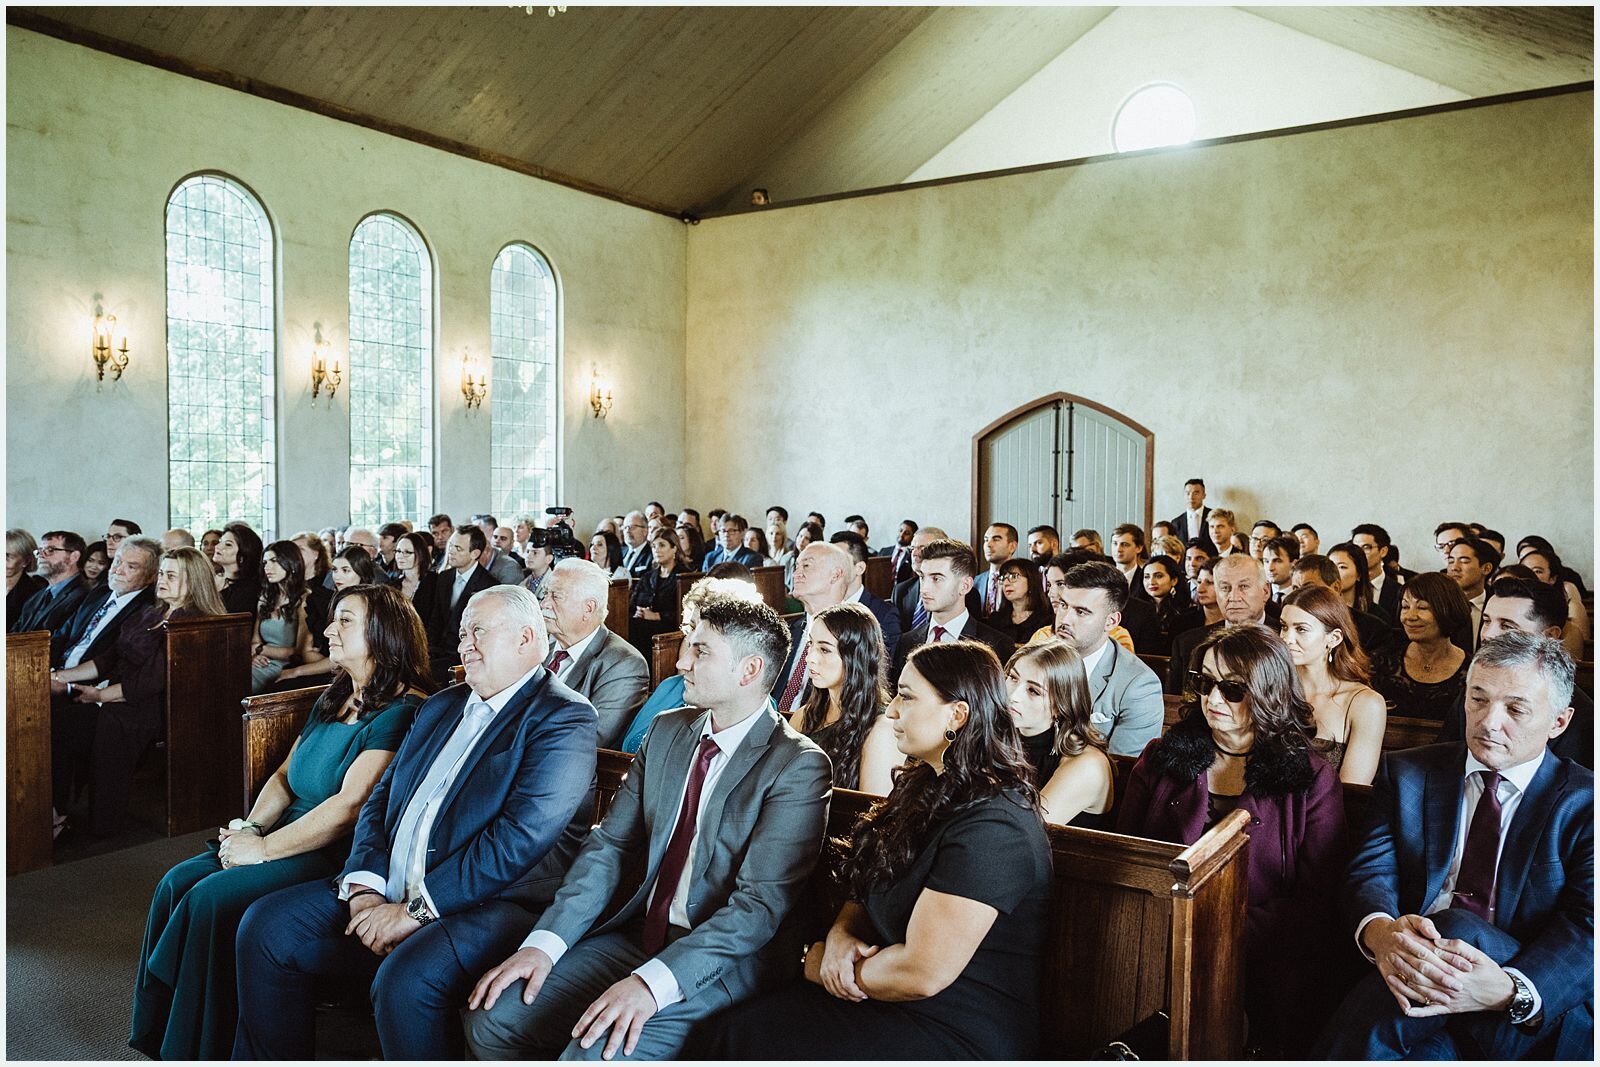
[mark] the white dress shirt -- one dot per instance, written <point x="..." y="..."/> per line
<point x="115" y="605"/>
<point x="1377" y="581"/>
<point x="952" y="629"/>
<point x="1476" y="606"/>
<point x="460" y="585"/>
<point x="408" y="852"/>
<point x="1514" y="782"/>
<point x="663" y="984"/>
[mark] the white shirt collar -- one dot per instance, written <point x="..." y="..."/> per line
<point x="954" y="626"/>
<point x="1520" y="776"/>
<point x="497" y="702"/>
<point x="1477" y="601"/>
<point x="855" y="598"/>
<point x="1092" y="660"/>
<point x="119" y="599"/>
<point x="728" y="740"/>
<point x="574" y="651"/>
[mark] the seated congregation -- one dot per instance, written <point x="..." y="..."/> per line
<point x="443" y="830"/>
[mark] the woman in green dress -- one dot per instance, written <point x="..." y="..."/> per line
<point x="185" y="1004"/>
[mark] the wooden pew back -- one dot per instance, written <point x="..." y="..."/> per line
<point x="617" y="609"/>
<point x="208" y="674"/>
<point x="664" y="651"/>
<point x="879" y="579"/>
<point x="269" y="725"/>
<point x="28" y="834"/>
<point x="769" y="583"/>
<point x="683" y="584"/>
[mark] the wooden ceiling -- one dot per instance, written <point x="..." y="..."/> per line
<point x="683" y="110"/>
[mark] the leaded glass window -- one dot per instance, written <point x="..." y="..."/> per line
<point x="391" y="373"/>
<point x="221" y="357"/>
<point x="522" y="330"/>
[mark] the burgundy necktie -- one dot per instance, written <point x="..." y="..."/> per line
<point x="797" y="681"/>
<point x="558" y="659"/>
<point x="1475" y="881"/>
<point x="895" y="564"/>
<point x="938" y="634"/>
<point x="677" y="854"/>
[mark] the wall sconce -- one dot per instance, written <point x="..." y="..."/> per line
<point x="599" y="396"/>
<point x="321" y="372"/>
<point x="105" y="336"/>
<point x="474" y="383"/>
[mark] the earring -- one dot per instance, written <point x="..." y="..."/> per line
<point x="949" y="735"/>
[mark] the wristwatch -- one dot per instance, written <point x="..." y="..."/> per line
<point x="417" y="908"/>
<point x="1521" y="1008"/>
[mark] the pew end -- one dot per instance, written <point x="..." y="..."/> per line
<point x="208" y="676"/>
<point x="29" y="839"/>
<point x="269" y="726"/>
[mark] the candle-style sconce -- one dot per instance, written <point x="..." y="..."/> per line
<point x="110" y="349"/>
<point x="600" y="396"/>
<point x="326" y="374"/>
<point x="474" y="382"/>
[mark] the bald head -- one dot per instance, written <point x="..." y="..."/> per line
<point x="821" y="576"/>
<point x="177" y="538"/>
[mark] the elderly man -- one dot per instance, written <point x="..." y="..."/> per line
<point x="945" y="570"/>
<point x="60" y="555"/>
<point x="595" y="662"/>
<point x="882" y="610"/>
<point x="129" y="589"/>
<point x="821" y="580"/>
<point x="1128" y="710"/>
<point x="730" y="544"/>
<point x="500" y="566"/>
<point x="1473" y="892"/>
<point x="176" y="538"/>
<point x="636" y="555"/>
<point x="1243" y="594"/>
<point x="462" y="843"/>
<point x="672" y="910"/>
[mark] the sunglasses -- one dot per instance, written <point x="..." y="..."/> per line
<point x="1233" y="692"/>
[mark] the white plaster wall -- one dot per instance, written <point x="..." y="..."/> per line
<point x="1389" y="322"/>
<point x="94" y="146"/>
<point x="1243" y="73"/>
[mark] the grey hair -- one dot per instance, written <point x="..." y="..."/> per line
<point x="1529" y="650"/>
<point x="934" y="532"/>
<point x="20" y="542"/>
<point x="520" y="604"/>
<point x="148" y="545"/>
<point x="837" y="556"/>
<point x="590" y="582"/>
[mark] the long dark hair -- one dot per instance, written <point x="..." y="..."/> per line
<point x="360" y="561"/>
<point x="1358" y="559"/>
<point x="697" y="545"/>
<point x="249" y="542"/>
<point x="613" y="558"/>
<point x="985" y="760"/>
<point x="422" y="546"/>
<point x="1033" y="576"/>
<point x="861" y="696"/>
<point x="1177" y="600"/>
<point x="1280" y="715"/>
<point x="1067" y="687"/>
<point x="397" y="644"/>
<point x="291" y="590"/>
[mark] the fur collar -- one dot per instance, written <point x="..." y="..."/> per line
<point x="1186" y="751"/>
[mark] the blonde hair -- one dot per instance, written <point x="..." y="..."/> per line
<point x="199" y="587"/>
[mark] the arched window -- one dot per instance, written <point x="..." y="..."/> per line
<point x="1152" y="116"/>
<point x="522" y="330"/>
<point x="391" y="373"/>
<point x="221" y="357"/>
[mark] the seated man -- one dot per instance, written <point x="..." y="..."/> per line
<point x="129" y="589"/>
<point x="882" y="610"/>
<point x="1043" y="544"/>
<point x="1128" y="710"/>
<point x="821" y="580"/>
<point x="176" y="537"/>
<point x="1473" y="891"/>
<point x="947" y="568"/>
<point x="734" y="787"/>
<point x="1242" y="597"/>
<point x="610" y="673"/>
<point x="730" y="545"/>
<point x="495" y="560"/>
<point x="899" y="553"/>
<point x="999" y="545"/>
<point x="462" y="843"/>
<point x="60" y="555"/>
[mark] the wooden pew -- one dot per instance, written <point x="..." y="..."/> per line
<point x="1137" y="927"/>
<point x="208" y="674"/>
<point x="28" y="833"/>
<point x="879" y="579"/>
<point x="269" y="726"/>
<point x="664" y="651"/>
<point x="1160" y="664"/>
<point x="769" y="582"/>
<point x="685" y="582"/>
<point x="617" y="609"/>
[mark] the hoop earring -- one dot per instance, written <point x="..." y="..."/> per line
<point x="949" y="735"/>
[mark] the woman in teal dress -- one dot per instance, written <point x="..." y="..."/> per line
<point x="185" y="1003"/>
<point x="281" y="634"/>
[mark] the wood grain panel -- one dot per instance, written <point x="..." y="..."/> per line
<point x="664" y="650"/>
<point x="879" y="579"/>
<point x="208" y="678"/>
<point x="617" y="609"/>
<point x="270" y="724"/>
<point x="769" y="583"/>
<point x="28" y="832"/>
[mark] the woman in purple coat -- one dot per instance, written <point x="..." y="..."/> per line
<point x="1244" y="742"/>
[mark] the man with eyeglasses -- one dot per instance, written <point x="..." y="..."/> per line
<point x="60" y="554"/>
<point x="1374" y="542"/>
<point x="636" y="557"/>
<point x="116" y="530"/>
<point x="1448" y="533"/>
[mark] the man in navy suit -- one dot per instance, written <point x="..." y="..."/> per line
<point x="899" y="553"/>
<point x="1473" y="891"/>
<point x="730" y="545"/>
<point x="464" y="840"/>
<point x="888" y="618"/>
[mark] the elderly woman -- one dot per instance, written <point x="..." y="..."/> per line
<point x="1244" y="742"/>
<point x="1425" y="676"/>
<point x="1320" y="634"/>
<point x="938" y="954"/>
<point x="1050" y="703"/>
<point x="843" y="709"/>
<point x="119" y="694"/>
<point x="298" y="830"/>
<point x="21" y="583"/>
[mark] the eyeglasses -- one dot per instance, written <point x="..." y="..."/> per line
<point x="1233" y="692"/>
<point x="1444" y="547"/>
<point x="48" y="550"/>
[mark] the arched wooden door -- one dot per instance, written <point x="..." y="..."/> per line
<point x="1063" y="461"/>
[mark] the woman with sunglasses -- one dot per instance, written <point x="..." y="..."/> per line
<point x="1244" y="742"/>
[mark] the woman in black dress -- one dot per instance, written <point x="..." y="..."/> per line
<point x="1023" y="608"/>
<point x="418" y="581"/>
<point x="938" y="954"/>
<point x="605" y="551"/>
<point x="653" y="601"/>
<point x="1175" y="612"/>
<point x="843" y="708"/>
<point x="1355" y="584"/>
<point x="238" y="559"/>
<point x="1050" y="703"/>
<point x="1425" y="676"/>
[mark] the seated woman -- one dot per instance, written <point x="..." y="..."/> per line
<point x="808" y="532"/>
<point x="353" y="566"/>
<point x="1535" y="543"/>
<point x="1355" y="584"/>
<point x="1175" y="612"/>
<point x="938" y="954"/>
<point x="1548" y="568"/>
<point x="691" y="546"/>
<point x="669" y="694"/>
<point x="654" y="597"/>
<point x="1023" y="608"/>
<point x="1205" y="593"/>
<point x="755" y="539"/>
<point x="605" y="551"/>
<point x="121" y="707"/>
<point x="419" y="583"/>
<point x="238" y="562"/>
<point x="21" y="582"/>
<point x="96" y="562"/>
<point x="184" y="1005"/>
<point x="843" y="710"/>
<point x="319" y="591"/>
<point x="1333" y="671"/>
<point x="1244" y="741"/>
<point x="1425" y="675"/>
<point x="281" y="631"/>
<point x="1050" y="703"/>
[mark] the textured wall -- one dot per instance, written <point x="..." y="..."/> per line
<point x="94" y="146"/>
<point x="1388" y="322"/>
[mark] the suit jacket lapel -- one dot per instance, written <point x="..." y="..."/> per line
<point x="1441" y="809"/>
<point x="403" y="788"/>
<point x="1522" y="837"/>
<point x="1103" y="671"/>
<point x="502" y="722"/>
<point x="744" y="757"/>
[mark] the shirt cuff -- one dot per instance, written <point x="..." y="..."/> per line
<point x="427" y="898"/>
<point x="1362" y="925"/>
<point x="363" y="878"/>
<point x="1538" y="1001"/>
<point x="550" y="944"/>
<point x="662" y="982"/>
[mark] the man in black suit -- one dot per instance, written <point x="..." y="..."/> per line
<point x="441" y="527"/>
<point x="1374" y="632"/>
<point x="888" y="618"/>
<point x="1044" y="542"/>
<point x="1192" y="522"/>
<point x="129" y="589"/>
<point x="900" y="551"/>
<point x="636" y="555"/>
<point x="464" y="578"/>
<point x="947" y="568"/>
<point x="1242" y="596"/>
<point x="1127" y="551"/>
<point x="1374" y="542"/>
<point x="60" y="555"/>
<point x="821" y="580"/>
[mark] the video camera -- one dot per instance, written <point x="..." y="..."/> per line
<point x="559" y="539"/>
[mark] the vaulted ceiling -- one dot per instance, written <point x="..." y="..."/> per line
<point x="683" y="110"/>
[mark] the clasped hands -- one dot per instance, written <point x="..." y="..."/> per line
<point x="240" y="848"/>
<point x="623" y="1009"/>
<point x="834" y="964"/>
<point x="381" y="926"/>
<point x="1433" y="975"/>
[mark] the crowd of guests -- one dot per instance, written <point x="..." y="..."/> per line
<point x="435" y="838"/>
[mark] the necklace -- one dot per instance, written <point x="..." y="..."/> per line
<point x="1428" y="662"/>
<point x="1225" y="752"/>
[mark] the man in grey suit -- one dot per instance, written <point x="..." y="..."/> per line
<point x="501" y="567"/>
<point x="1127" y="694"/>
<point x="584" y="654"/>
<point x="726" y="808"/>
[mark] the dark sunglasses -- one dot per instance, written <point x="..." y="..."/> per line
<point x="1233" y="692"/>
